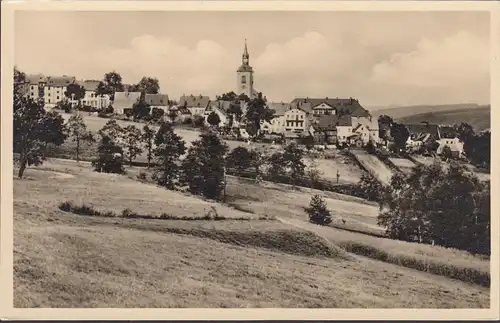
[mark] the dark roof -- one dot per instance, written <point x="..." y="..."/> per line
<point x="447" y="132"/>
<point x="345" y="121"/>
<point x="279" y="107"/>
<point x="60" y="81"/>
<point x="416" y="130"/>
<point x="34" y="79"/>
<point x="193" y="101"/>
<point x="350" y="106"/>
<point x="89" y="85"/>
<point x="328" y="122"/>
<point x="156" y="99"/>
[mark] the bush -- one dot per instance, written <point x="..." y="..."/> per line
<point x="318" y="213"/>
<point x="110" y="158"/>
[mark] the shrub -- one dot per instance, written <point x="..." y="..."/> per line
<point x="110" y="158"/>
<point x="142" y="176"/>
<point x="318" y="213"/>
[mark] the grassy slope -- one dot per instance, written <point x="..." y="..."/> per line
<point x="479" y="118"/>
<point x="405" y="111"/>
<point x="65" y="260"/>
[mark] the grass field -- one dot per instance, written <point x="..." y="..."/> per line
<point x="405" y="165"/>
<point x="66" y="260"/>
<point x="429" y="160"/>
<point x="374" y="165"/>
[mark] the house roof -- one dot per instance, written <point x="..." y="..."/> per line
<point x="60" y="81"/>
<point x="89" y="85"/>
<point x="447" y="132"/>
<point x="279" y="107"/>
<point x="34" y="79"/>
<point x="192" y="101"/>
<point x="156" y="99"/>
<point x="344" y="121"/>
<point x="328" y="122"/>
<point x="350" y="106"/>
<point x="416" y="130"/>
<point x="126" y="99"/>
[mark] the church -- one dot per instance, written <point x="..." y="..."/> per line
<point x="244" y="83"/>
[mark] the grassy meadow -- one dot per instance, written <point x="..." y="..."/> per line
<point x="274" y="258"/>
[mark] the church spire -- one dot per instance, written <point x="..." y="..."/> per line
<point x="245" y="56"/>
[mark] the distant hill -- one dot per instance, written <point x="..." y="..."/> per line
<point x="478" y="118"/>
<point x="405" y="111"/>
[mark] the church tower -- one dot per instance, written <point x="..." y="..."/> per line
<point x="245" y="75"/>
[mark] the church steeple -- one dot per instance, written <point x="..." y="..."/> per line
<point x="245" y="56"/>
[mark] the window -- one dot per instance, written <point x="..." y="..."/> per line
<point x="58" y="98"/>
<point x="244" y="79"/>
<point x="32" y="87"/>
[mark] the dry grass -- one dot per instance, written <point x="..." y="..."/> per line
<point x="374" y="165"/>
<point x="65" y="260"/>
<point x="286" y="204"/>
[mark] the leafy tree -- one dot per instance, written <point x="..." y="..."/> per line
<point x="111" y="83"/>
<point x="446" y="153"/>
<point x="276" y="164"/>
<point x="480" y="153"/>
<point x="112" y="130"/>
<point x="318" y="212"/>
<point x="75" y="92"/>
<point x="34" y="128"/>
<point x="400" y="135"/>
<point x="448" y="207"/>
<point x="78" y="131"/>
<point x="132" y="139"/>
<point x="370" y="187"/>
<point x="229" y="96"/>
<point x="204" y="166"/>
<point x="466" y="135"/>
<point x="198" y="121"/>
<point x="314" y="173"/>
<point x="148" y="85"/>
<point x="157" y="113"/>
<point x="292" y="158"/>
<point x="148" y="136"/>
<point x="172" y="114"/>
<point x="256" y="112"/>
<point x="240" y="159"/>
<point x="140" y="109"/>
<point x="213" y="119"/>
<point x="110" y="158"/>
<point x="169" y="147"/>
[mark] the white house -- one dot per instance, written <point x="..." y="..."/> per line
<point x="159" y="101"/>
<point x="448" y="137"/>
<point x="91" y="99"/>
<point x="296" y="120"/>
<point x="277" y="124"/>
<point x="195" y="104"/>
<point x="51" y="88"/>
<point x="125" y="100"/>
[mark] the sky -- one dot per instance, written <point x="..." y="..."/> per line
<point x="381" y="58"/>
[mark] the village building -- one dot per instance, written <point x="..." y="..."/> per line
<point x="50" y="90"/>
<point x="448" y="137"/>
<point x="125" y="100"/>
<point x="277" y="124"/>
<point x="91" y="99"/>
<point x="196" y="104"/>
<point x="159" y="101"/>
<point x="220" y="108"/>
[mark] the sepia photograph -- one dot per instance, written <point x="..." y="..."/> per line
<point x="251" y="159"/>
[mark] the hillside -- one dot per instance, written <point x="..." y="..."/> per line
<point x="479" y="118"/>
<point x="405" y="111"/>
<point x="66" y="260"/>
